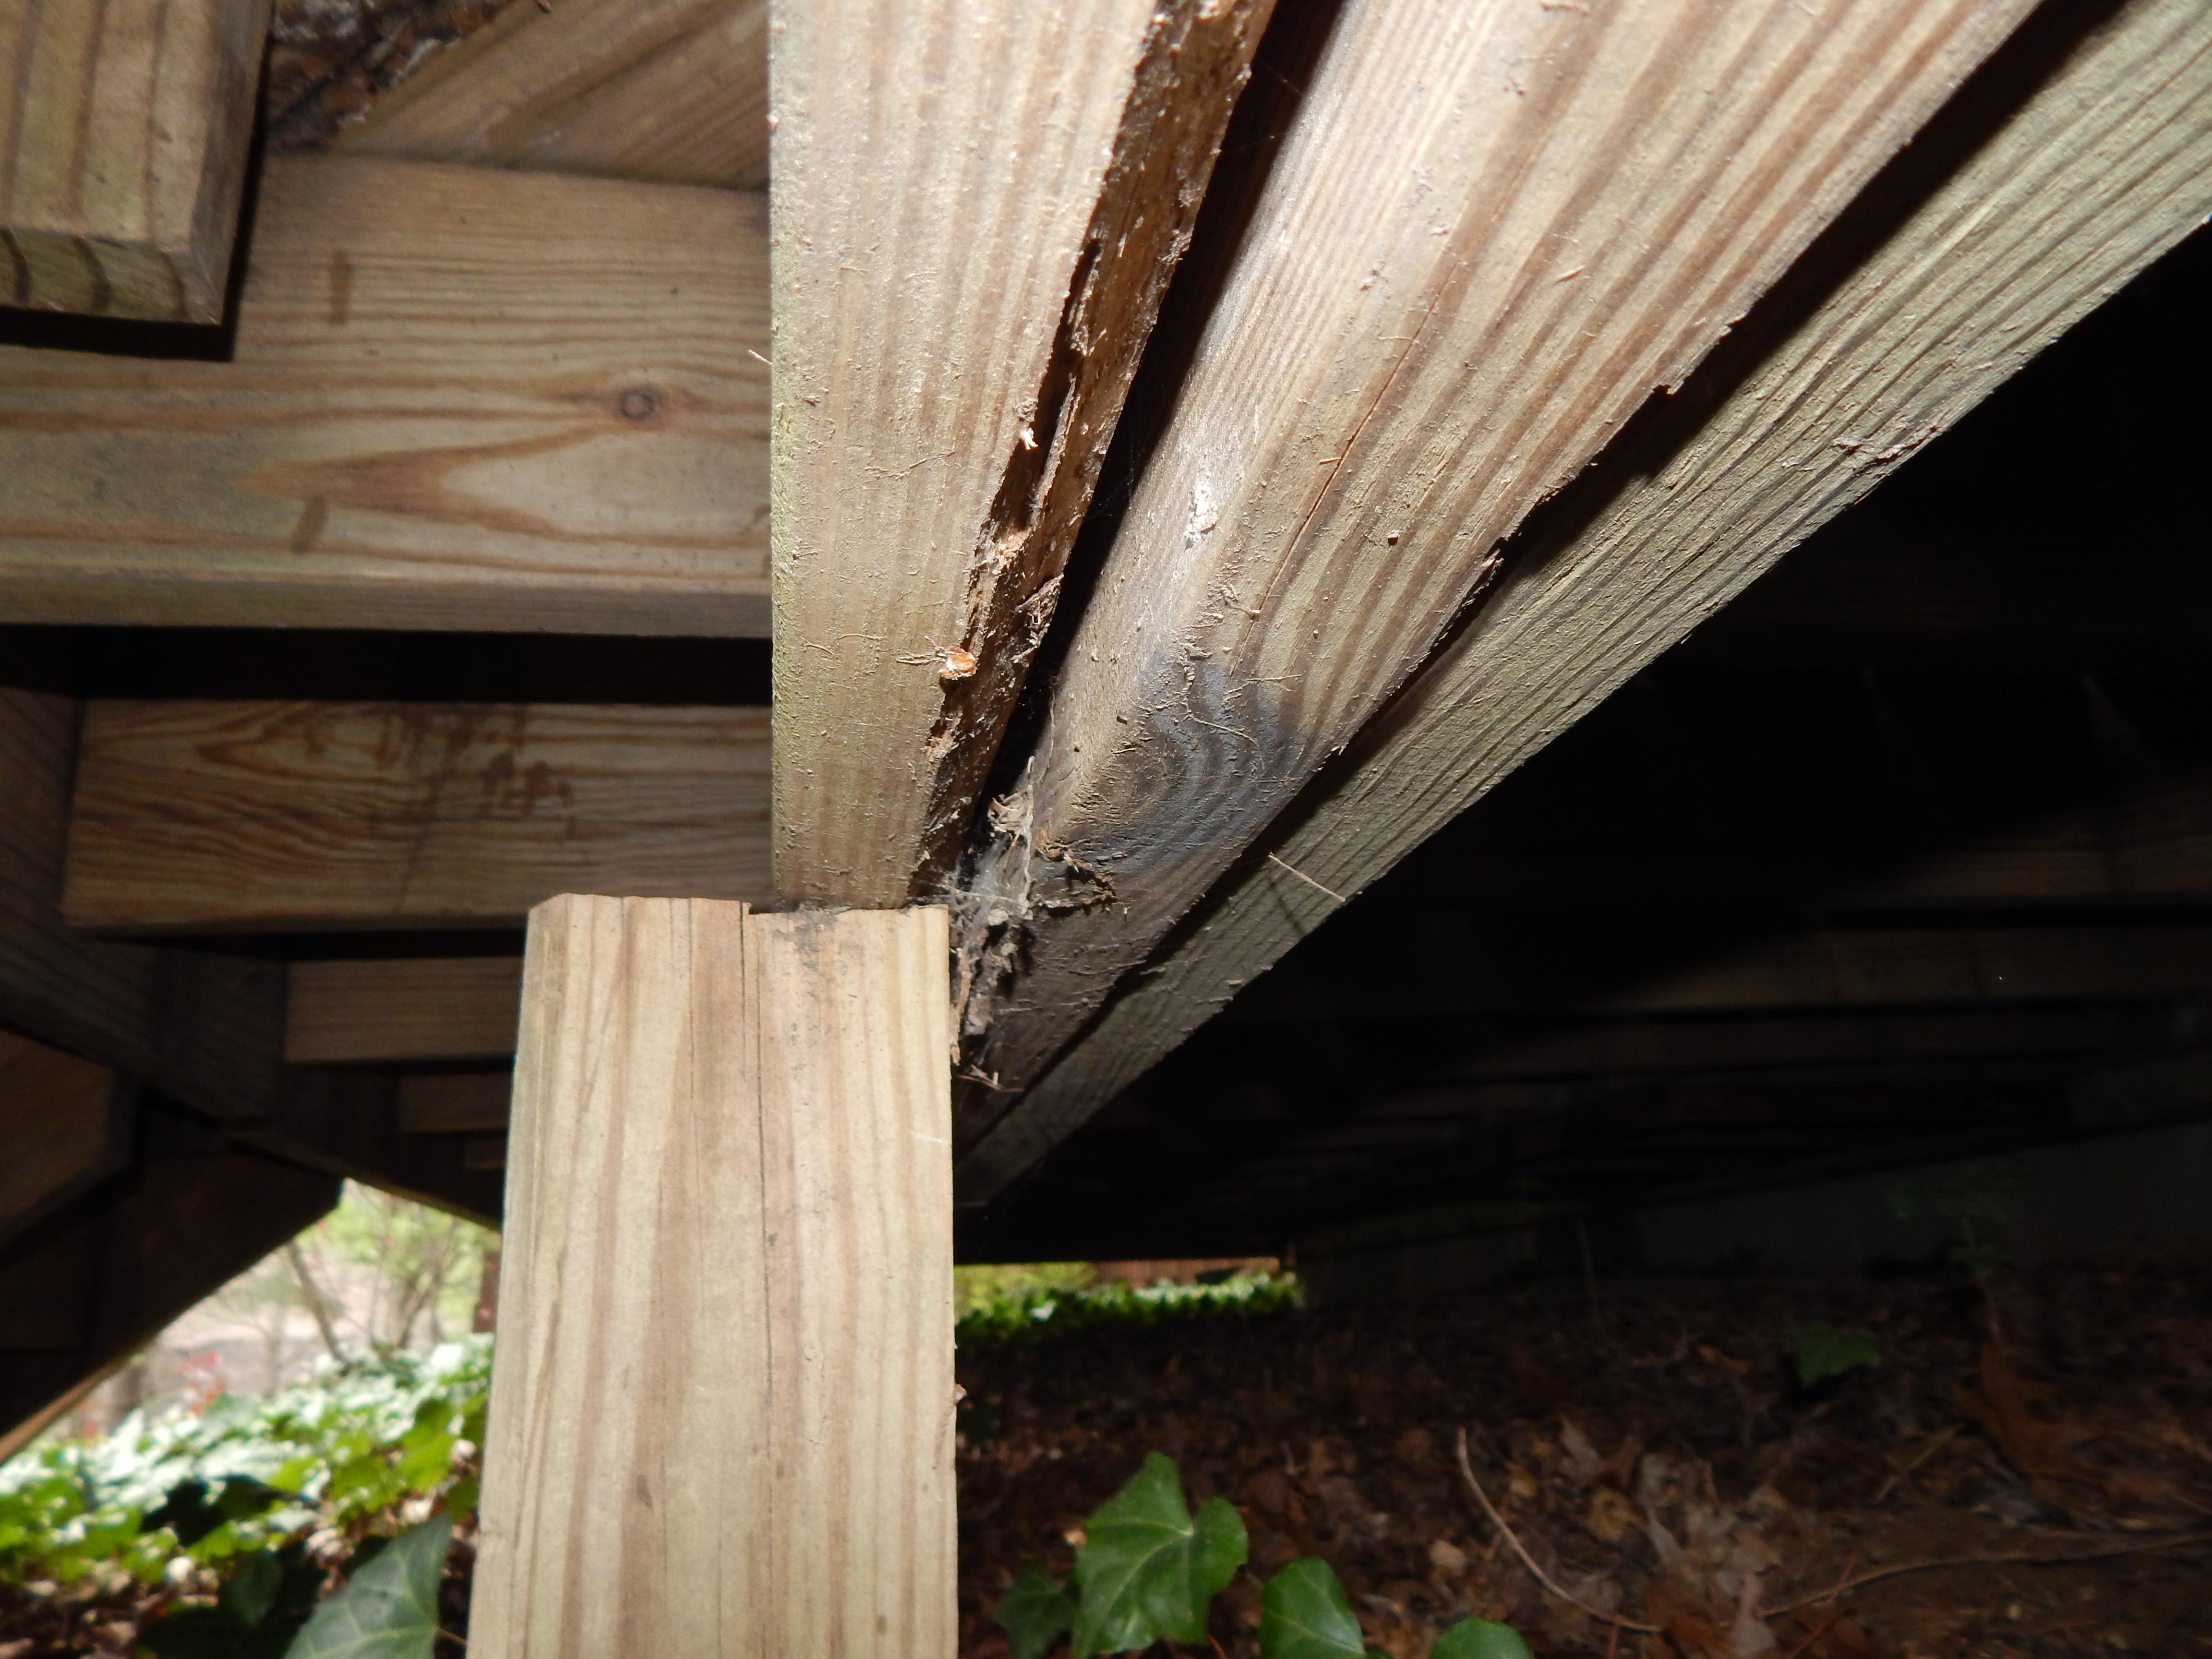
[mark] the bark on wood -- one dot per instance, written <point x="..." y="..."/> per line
<point x="457" y="399"/>
<point x="721" y="1417"/>
<point x="2094" y="177"/>
<point x="234" y="814"/>
<point x="674" y="91"/>
<point x="124" y="129"/>
<point x="977" y="210"/>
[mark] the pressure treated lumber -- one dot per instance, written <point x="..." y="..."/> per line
<point x="453" y="1102"/>
<point x="124" y="129"/>
<point x="725" y="1321"/>
<point x="65" y="1127"/>
<point x="2070" y="192"/>
<point x="238" y="814"/>
<point x="203" y="1027"/>
<point x="670" y="90"/>
<point x="348" y="1121"/>
<point x="457" y="399"/>
<point x="978" y="205"/>
<point x="341" y="1013"/>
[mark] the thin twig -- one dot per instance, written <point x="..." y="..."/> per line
<point x="2029" y="1557"/>
<point x="1805" y="1646"/>
<point x="1467" y="1471"/>
<point x="1307" y="879"/>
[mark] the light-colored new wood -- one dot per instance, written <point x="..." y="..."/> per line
<point x="215" y="815"/>
<point x="670" y="90"/>
<point x="62" y="1130"/>
<point x="453" y="1102"/>
<point x="2096" y="175"/>
<point x="123" y="138"/>
<point x="721" y="1417"/>
<point x="402" y="1008"/>
<point x="460" y="399"/>
<point x="203" y="1027"/>
<point x="978" y="205"/>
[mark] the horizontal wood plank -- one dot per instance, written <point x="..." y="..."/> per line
<point x="398" y="1009"/>
<point x="670" y="90"/>
<point x="457" y="399"/>
<point x="203" y="1027"/>
<point x="228" y="814"/>
<point x="65" y="1127"/>
<point x="124" y="129"/>
<point x="453" y="1102"/>
<point x="978" y="206"/>
<point x="2081" y="183"/>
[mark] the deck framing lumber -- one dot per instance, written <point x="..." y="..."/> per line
<point x="352" y="1012"/>
<point x="674" y="91"/>
<point x="124" y="132"/>
<point x="726" y="1315"/>
<point x="2106" y="162"/>
<point x="65" y="1128"/>
<point x="457" y="399"/>
<point x="235" y="815"/>
<point x="977" y="210"/>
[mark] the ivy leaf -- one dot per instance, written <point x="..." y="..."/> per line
<point x="1480" y="1638"/>
<point x="1823" y="1352"/>
<point x="1147" y="1567"/>
<point x="1035" y="1610"/>
<point x="1304" y="1615"/>
<point x="389" y="1608"/>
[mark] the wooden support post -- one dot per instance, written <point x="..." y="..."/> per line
<point x="721" y="1418"/>
<point x="122" y="140"/>
<point x="2097" y="170"/>
<point x="671" y="90"/>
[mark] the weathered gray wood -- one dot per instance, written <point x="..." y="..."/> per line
<point x="204" y="1028"/>
<point x="978" y="205"/>
<point x="2096" y="174"/>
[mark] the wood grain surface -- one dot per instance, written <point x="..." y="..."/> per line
<point x="721" y="1414"/>
<point x="214" y="815"/>
<point x="204" y="1027"/>
<point x="675" y="91"/>
<point x="344" y="1012"/>
<point x="457" y="399"/>
<point x="977" y="210"/>
<point x="64" y="1128"/>
<point x="2076" y="189"/>
<point x="124" y="129"/>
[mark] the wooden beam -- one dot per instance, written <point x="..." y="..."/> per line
<point x="731" y="1155"/>
<point x="347" y="1121"/>
<point x="65" y="1128"/>
<point x="341" y="1013"/>
<point x="105" y="1275"/>
<point x="201" y="1027"/>
<point x="2106" y="164"/>
<point x="124" y="129"/>
<point x="453" y="1102"/>
<point x="670" y="90"/>
<point x="977" y="210"/>
<point x="219" y="815"/>
<point x="457" y="399"/>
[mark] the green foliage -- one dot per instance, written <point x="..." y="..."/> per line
<point x="1036" y="1611"/>
<point x="338" y="1452"/>
<point x="991" y="1285"/>
<point x="1303" y="1615"/>
<point x="1030" y="1315"/>
<point x="268" y="1597"/>
<point x="1823" y="1351"/>
<point x="389" y="1608"/>
<point x="1148" y="1567"/>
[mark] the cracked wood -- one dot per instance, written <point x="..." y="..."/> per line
<point x="2076" y="189"/>
<point x="123" y="139"/>
<point x="1491" y="231"/>
<point x="977" y="210"/>
<point x="458" y="399"/>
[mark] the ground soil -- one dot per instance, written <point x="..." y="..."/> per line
<point x="1656" y="1455"/>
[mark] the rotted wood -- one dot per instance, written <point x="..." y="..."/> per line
<point x="731" y="1156"/>
<point x="674" y="91"/>
<point x="977" y="210"/>
<point x="124" y="129"/>
<point x="2083" y="176"/>
<point x="220" y="815"/>
<point x="456" y="398"/>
